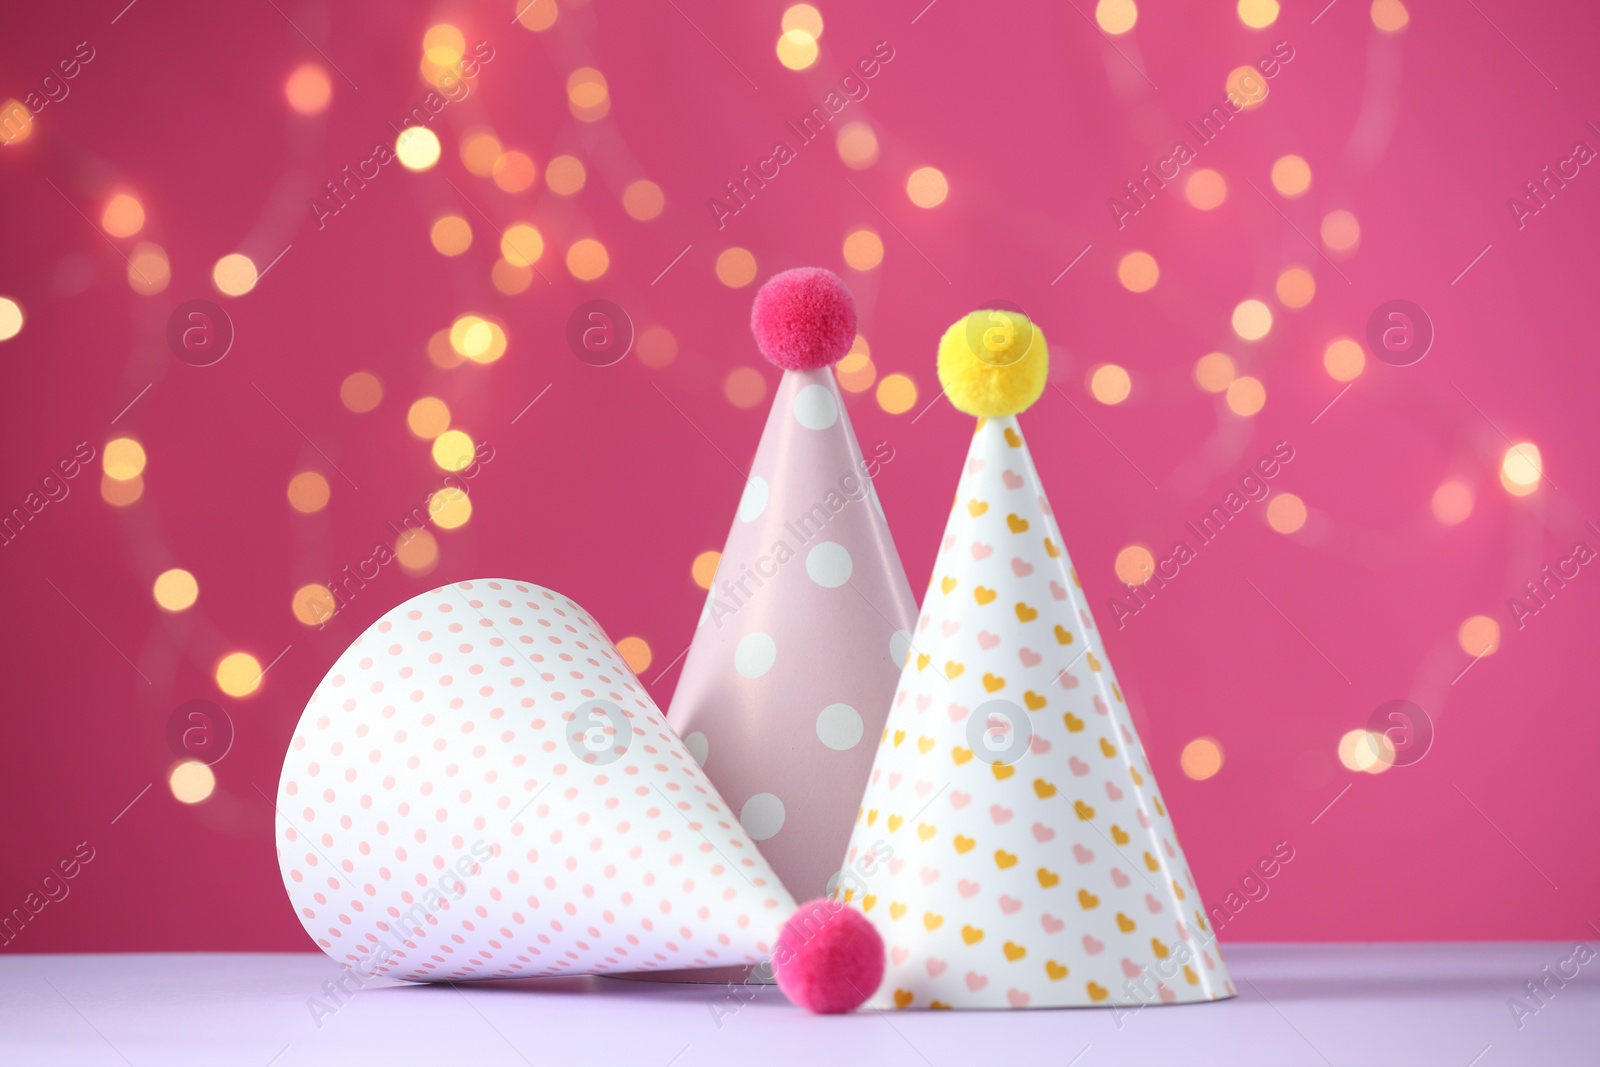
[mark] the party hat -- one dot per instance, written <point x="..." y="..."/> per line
<point x="795" y="657"/>
<point x="1012" y="846"/>
<point x="480" y="788"/>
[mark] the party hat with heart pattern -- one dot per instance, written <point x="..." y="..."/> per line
<point x="1012" y="847"/>
<point x="802" y="637"/>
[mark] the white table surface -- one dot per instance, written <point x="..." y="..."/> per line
<point x="1298" y="1004"/>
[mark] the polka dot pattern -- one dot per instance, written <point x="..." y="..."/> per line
<point x="829" y="564"/>
<point x="795" y="656"/>
<point x="816" y="407"/>
<point x="453" y="807"/>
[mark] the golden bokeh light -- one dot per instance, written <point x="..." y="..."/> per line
<point x="417" y="148"/>
<point x="1138" y="272"/>
<point x="16" y="122"/>
<point x="536" y="15"/>
<point x="704" y="568"/>
<point x="1206" y="189"/>
<point x="1521" y="468"/>
<point x="656" y="347"/>
<point x="927" y="187"/>
<point x="440" y="353"/>
<point x="857" y="145"/>
<point x="1214" y="371"/>
<point x="1252" y="319"/>
<point x="1296" y="287"/>
<point x="123" y="459"/>
<point x="1344" y="359"/>
<point x="417" y="551"/>
<point x="451" y="235"/>
<point x="803" y="17"/>
<point x="361" y="392"/>
<point x="588" y="95"/>
<point x="564" y="175"/>
<point x="1246" y="88"/>
<point x="1479" y="636"/>
<point x="797" y="49"/>
<point x="1134" y="565"/>
<point x="744" y="387"/>
<point x="1109" y="383"/>
<point x="1116" y="16"/>
<point x="587" y="259"/>
<point x="1390" y="16"/>
<point x="119" y="494"/>
<point x="191" y="781"/>
<point x="855" y="371"/>
<point x="239" y="674"/>
<point x="509" y="278"/>
<point x="449" y="508"/>
<point x="149" y="271"/>
<point x="1286" y="513"/>
<point x="522" y="245"/>
<point x="643" y="200"/>
<point x="1452" y="503"/>
<point x="123" y="215"/>
<point x="313" y="604"/>
<point x="175" y="589"/>
<point x="1202" y="757"/>
<point x="1258" y="14"/>
<point x="635" y="652"/>
<point x="1291" y="176"/>
<point x="234" y="274"/>
<point x="308" y="89"/>
<point x="479" y="151"/>
<point x="1341" y="232"/>
<point x="1366" y="751"/>
<point x="443" y="45"/>
<point x="453" y="450"/>
<point x="11" y="318"/>
<point x="736" y="267"/>
<point x="309" y="492"/>
<point x="514" y="171"/>
<point x="1246" y="396"/>
<point x="428" y="417"/>
<point x="863" y="249"/>
<point x="897" y="394"/>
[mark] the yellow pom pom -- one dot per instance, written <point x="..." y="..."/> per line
<point x="993" y="363"/>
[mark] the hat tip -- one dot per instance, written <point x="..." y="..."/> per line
<point x="804" y="319"/>
<point x="993" y="363"/>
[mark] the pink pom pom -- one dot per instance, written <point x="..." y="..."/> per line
<point x="829" y="957"/>
<point x="804" y="318"/>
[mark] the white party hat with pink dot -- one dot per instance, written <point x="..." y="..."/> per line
<point x="1012" y="846"/>
<point x="480" y="788"/>
<point x="802" y="637"/>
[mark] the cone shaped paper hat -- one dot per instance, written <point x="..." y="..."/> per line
<point x="480" y="788"/>
<point x="1012" y="846"/>
<point x="797" y="651"/>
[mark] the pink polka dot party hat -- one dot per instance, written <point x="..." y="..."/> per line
<point x="798" y="647"/>
<point x="1012" y="846"/>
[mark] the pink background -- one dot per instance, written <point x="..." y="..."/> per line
<point x="607" y="493"/>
